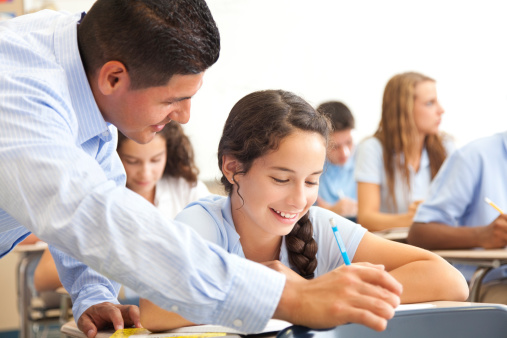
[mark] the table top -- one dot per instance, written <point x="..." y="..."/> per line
<point x="71" y="330"/>
<point x="394" y="234"/>
<point x="479" y="254"/>
<point x="26" y="248"/>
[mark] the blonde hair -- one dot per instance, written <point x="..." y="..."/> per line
<point x="397" y="131"/>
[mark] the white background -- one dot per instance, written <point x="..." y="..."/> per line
<point x="348" y="50"/>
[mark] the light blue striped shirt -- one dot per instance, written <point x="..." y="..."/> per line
<point x="60" y="178"/>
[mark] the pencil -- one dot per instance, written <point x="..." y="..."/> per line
<point x="490" y="202"/>
<point x="339" y="241"/>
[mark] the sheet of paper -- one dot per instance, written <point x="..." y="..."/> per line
<point x="273" y="325"/>
<point x="405" y="307"/>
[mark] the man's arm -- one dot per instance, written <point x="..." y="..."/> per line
<point x="94" y="297"/>
<point x="360" y="293"/>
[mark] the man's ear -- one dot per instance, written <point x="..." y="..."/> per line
<point x="113" y="76"/>
<point x="230" y="166"/>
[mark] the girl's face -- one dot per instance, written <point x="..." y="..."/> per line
<point x="427" y="111"/>
<point x="280" y="186"/>
<point x="144" y="164"/>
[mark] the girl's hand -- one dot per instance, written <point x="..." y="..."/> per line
<point x="278" y="266"/>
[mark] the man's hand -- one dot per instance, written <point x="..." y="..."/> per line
<point x="107" y="314"/>
<point x="360" y="293"/>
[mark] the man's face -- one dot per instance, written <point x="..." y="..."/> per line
<point x="140" y="113"/>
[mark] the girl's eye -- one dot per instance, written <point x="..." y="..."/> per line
<point x="279" y="181"/>
<point x="131" y="162"/>
<point x="312" y="183"/>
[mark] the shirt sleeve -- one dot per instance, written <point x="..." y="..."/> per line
<point x="450" y="192"/>
<point x="85" y="286"/>
<point x="328" y="253"/>
<point x="62" y="194"/>
<point x="369" y="162"/>
<point x="199" y="219"/>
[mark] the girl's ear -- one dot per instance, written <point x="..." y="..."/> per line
<point x="230" y="166"/>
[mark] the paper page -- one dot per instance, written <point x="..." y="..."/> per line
<point x="273" y="325"/>
<point x="404" y="307"/>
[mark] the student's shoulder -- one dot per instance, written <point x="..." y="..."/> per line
<point x="207" y="216"/>
<point x="493" y="146"/>
<point x="211" y="204"/>
<point x="369" y="145"/>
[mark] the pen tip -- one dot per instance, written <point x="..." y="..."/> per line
<point x="331" y="221"/>
<point x="487" y="200"/>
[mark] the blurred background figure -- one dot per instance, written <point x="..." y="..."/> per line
<point x="337" y="186"/>
<point x="395" y="167"/>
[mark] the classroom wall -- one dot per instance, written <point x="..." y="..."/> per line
<point x="9" y="315"/>
<point x="347" y="50"/>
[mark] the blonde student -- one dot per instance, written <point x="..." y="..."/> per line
<point x="271" y="173"/>
<point x="395" y="167"/>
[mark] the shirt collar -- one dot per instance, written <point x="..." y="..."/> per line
<point x="91" y="121"/>
<point x="232" y="234"/>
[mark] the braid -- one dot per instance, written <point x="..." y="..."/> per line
<point x="302" y="247"/>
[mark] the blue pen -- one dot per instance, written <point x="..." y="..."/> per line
<point x="339" y="241"/>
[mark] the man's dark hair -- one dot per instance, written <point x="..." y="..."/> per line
<point x="339" y="114"/>
<point x="154" y="39"/>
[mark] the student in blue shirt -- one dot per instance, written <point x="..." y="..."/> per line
<point x="394" y="168"/>
<point x="67" y="82"/>
<point x="271" y="173"/>
<point x="337" y="186"/>
<point x="455" y="214"/>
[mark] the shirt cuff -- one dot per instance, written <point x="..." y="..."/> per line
<point x="253" y="298"/>
<point x="89" y="296"/>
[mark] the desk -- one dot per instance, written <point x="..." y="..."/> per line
<point x="70" y="328"/>
<point x="479" y="320"/>
<point x="394" y="234"/>
<point x="484" y="259"/>
<point x="29" y="253"/>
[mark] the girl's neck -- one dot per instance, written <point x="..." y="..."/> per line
<point x="149" y="195"/>
<point x="257" y="245"/>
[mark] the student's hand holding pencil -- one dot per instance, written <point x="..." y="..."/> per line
<point x="360" y="293"/>
<point x="493" y="235"/>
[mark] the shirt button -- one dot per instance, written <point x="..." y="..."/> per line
<point x="237" y="323"/>
<point x="174" y="308"/>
